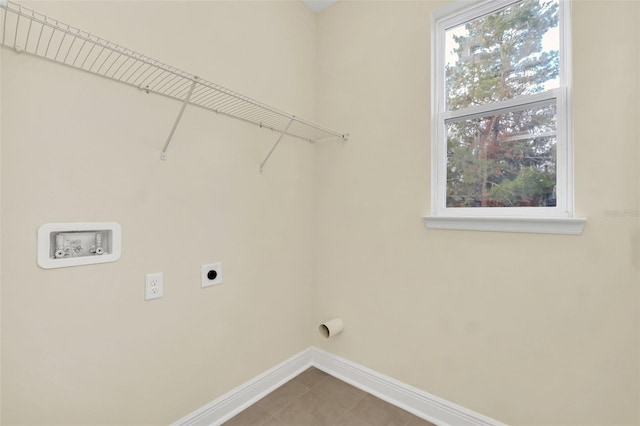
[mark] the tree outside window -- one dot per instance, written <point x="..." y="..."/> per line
<point x="505" y="159"/>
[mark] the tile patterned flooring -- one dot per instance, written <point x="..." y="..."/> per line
<point x="315" y="398"/>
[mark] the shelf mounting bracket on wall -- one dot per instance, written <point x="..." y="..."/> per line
<point x="163" y="154"/>
<point x="275" y="145"/>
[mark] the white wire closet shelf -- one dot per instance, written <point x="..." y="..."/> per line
<point x="28" y="31"/>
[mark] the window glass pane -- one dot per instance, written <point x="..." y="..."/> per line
<point x="503" y="160"/>
<point x="508" y="53"/>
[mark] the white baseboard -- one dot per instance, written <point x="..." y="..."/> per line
<point x="413" y="400"/>
<point x="418" y="402"/>
<point x="233" y="402"/>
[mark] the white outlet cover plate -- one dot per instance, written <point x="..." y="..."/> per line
<point x="206" y="282"/>
<point x="153" y="286"/>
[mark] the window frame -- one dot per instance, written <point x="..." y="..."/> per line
<point x="511" y="219"/>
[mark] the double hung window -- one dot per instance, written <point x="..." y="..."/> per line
<point x="501" y="142"/>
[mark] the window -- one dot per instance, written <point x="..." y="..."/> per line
<point x="501" y="143"/>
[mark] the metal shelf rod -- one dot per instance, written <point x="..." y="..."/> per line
<point x="163" y="155"/>
<point x="273" y="148"/>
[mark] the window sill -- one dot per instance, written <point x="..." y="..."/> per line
<point x="537" y="225"/>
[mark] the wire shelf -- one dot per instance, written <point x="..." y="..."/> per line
<point x="31" y="32"/>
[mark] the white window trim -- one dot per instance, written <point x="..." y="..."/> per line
<point x="556" y="220"/>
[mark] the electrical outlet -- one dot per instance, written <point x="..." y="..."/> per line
<point x="153" y="286"/>
<point x="211" y="274"/>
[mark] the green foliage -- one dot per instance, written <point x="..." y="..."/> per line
<point x="530" y="188"/>
<point x="506" y="159"/>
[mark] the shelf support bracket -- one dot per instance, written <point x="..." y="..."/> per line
<point x="273" y="148"/>
<point x="163" y="154"/>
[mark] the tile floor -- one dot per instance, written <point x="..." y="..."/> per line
<point x="315" y="398"/>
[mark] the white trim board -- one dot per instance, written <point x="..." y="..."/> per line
<point x="536" y="225"/>
<point x="418" y="402"/>
<point x="228" y="405"/>
<point x="413" y="400"/>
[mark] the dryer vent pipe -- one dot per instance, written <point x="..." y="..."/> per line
<point x="331" y="328"/>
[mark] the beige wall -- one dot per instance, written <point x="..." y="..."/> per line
<point x="529" y="329"/>
<point x="80" y="345"/>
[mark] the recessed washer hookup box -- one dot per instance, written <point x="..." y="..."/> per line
<point x="81" y="243"/>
